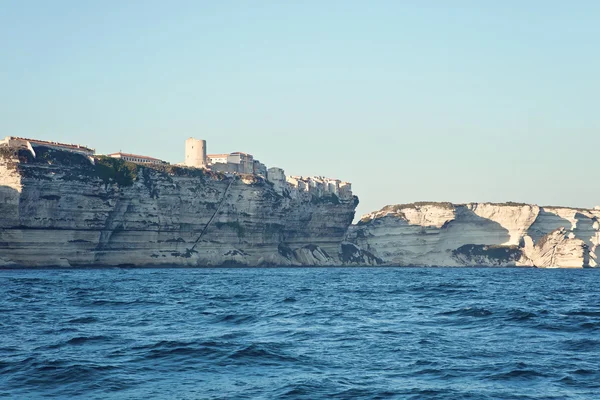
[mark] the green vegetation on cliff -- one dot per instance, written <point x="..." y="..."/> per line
<point x="398" y="207"/>
<point x="114" y="170"/>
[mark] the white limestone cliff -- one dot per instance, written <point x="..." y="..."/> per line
<point x="65" y="209"/>
<point x="59" y="209"/>
<point x="480" y="234"/>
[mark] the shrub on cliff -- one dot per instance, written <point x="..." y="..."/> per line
<point x="44" y="155"/>
<point x="115" y="170"/>
<point x="510" y="204"/>
<point x="178" y="170"/>
<point x="47" y="155"/>
<point x="397" y="207"/>
<point x="12" y="155"/>
<point x="7" y="153"/>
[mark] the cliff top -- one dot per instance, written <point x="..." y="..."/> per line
<point x="400" y="210"/>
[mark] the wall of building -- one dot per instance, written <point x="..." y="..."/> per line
<point x="239" y="162"/>
<point x="216" y="158"/>
<point x="195" y="153"/>
<point x="26" y="143"/>
<point x="244" y="160"/>
<point x="226" y="167"/>
<point x="318" y="186"/>
<point x="244" y="163"/>
<point x="137" y="158"/>
<point x="345" y="190"/>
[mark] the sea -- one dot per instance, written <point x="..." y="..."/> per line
<point x="300" y="333"/>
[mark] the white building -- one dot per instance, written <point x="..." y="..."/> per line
<point x="245" y="162"/>
<point x="345" y="190"/>
<point x="333" y="186"/>
<point x="242" y="163"/>
<point x="216" y="158"/>
<point x="319" y="185"/>
<point x="136" y="158"/>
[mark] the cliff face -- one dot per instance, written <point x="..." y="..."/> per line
<point x="483" y="234"/>
<point x="59" y="209"/>
<point x="63" y="209"/>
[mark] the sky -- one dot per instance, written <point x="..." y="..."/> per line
<point x="461" y="101"/>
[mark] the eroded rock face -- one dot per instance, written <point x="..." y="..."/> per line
<point x="58" y="209"/>
<point x="558" y="249"/>
<point x="480" y="234"/>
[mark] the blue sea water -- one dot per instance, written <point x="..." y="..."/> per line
<point x="305" y="333"/>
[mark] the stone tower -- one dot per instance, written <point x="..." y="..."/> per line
<point x="195" y="153"/>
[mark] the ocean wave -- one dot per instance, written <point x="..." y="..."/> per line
<point x="79" y="340"/>
<point x="169" y="349"/>
<point x="519" y="374"/>
<point x="262" y="353"/>
<point x="584" y="313"/>
<point x="468" y="312"/>
<point x="520" y="315"/>
<point x="124" y="303"/>
<point x="235" y="319"/>
<point x="294" y="333"/>
<point x="581" y="345"/>
<point x="83" y="320"/>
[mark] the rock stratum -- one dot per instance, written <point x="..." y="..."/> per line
<point x="64" y="209"/>
<point x="477" y="234"/>
<point x="59" y="208"/>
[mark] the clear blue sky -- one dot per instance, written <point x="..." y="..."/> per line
<point x="409" y="100"/>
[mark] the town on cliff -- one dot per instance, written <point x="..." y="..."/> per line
<point x="231" y="164"/>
